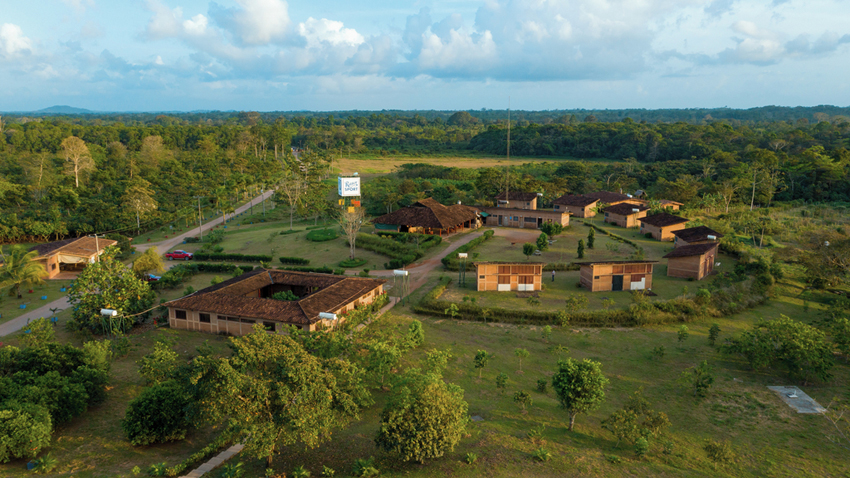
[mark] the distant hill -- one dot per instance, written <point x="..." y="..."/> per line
<point x="64" y="110"/>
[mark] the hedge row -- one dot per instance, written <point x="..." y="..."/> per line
<point x="561" y="266"/>
<point x="352" y="263"/>
<point x="182" y="272"/>
<point x="451" y="263"/>
<point x="288" y="231"/>
<point x="615" y="236"/>
<point x="659" y="312"/>
<point x="294" y="260"/>
<point x="321" y="270"/>
<point x="400" y="254"/>
<point x="204" y="256"/>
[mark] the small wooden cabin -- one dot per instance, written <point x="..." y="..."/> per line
<point x="695" y="235"/>
<point x="625" y="214"/>
<point x="672" y="205"/>
<point x="662" y="226"/>
<point x="508" y="276"/>
<point x="523" y="218"/>
<point x="694" y="261"/>
<point x="616" y="275"/>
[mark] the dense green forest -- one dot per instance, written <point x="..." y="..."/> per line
<point x="70" y="175"/>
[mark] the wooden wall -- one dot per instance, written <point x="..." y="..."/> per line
<point x="662" y="233"/>
<point x="696" y="267"/>
<point x="511" y="277"/>
<point x="600" y="277"/>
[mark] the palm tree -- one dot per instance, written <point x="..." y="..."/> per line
<point x="19" y="268"/>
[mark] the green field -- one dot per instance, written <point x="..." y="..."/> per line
<point x="10" y="306"/>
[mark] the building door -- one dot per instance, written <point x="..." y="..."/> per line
<point x="617" y="283"/>
<point x="500" y="219"/>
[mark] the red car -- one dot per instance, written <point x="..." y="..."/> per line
<point x="179" y="255"/>
<point x="152" y="278"/>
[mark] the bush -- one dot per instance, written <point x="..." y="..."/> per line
<point x="401" y="252"/>
<point x="286" y="295"/>
<point x="322" y="235"/>
<point x="24" y="430"/>
<point x="352" y="263"/>
<point x="192" y="240"/>
<point x="202" y="256"/>
<point x="320" y="270"/>
<point x="552" y="228"/>
<point x="157" y="415"/>
<point x="294" y="260"/>
<point x="290" y="231"/>
<point x="365" y="467"/>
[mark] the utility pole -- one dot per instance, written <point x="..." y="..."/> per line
<point x="508" y="166"/>
<point x="200" y="228"/>
<point x="97" y="247"/>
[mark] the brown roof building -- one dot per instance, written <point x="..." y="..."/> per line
<point x="508" y="276"/>
<point x="673" y="205"/>
<point x="695" y="235"/>
<point x="662" y="225"/>
<point x="625" y="214"/>
<point x="613" y="198"/>
<point x="694" y="261"/>
<point x="70" y="255"/>
<point x="523" y="218"/>
<point x="577" y="205"/>
<point x="429" y="217"/>
<point x="605" y="276"/>
<point x="516" y="200"/>
<point x="235" y="305"/>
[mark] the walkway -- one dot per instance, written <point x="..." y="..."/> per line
<point x="19" y="322"/>
<point x="214" y="462"/>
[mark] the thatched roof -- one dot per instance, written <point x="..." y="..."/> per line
<point x="575" y="200"/>
<point x="79" y="246"/>
<point x="516" y="196"/>
<point x="691" y="250"/>
<point x="695" y="234"/>
<point x="238" y="296"/>
<point x="625" y="209"/>
<point x="429" y="213"/>
<point x="664" y="219"/>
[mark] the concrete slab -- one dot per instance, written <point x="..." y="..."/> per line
<point x="797" y="399"/>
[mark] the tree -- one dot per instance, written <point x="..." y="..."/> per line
<point x="521" y="354"/>
<point x="351" y="220"/>
<point x="501" y="381"/>
<point x="381" y="358"/>
<point x="148" y="261"/>
<point x="803" y="349"/>
<point x="718" y="452"/>
<point x="727" y="190"/>
<point x="480" y="360"/>
<point x="523" y="398"/>
<point x="160" y="414"/>
<point x="292" y="187"/>
<point x="527" y="250"/>
<point x="139" y="198"/>
<point x="424" y="418"/>
<point x="159" y="365"/>
<point x="109" y="284"/>
<point x="636" y="420"/>
<point x="580" y="249"/>
<point x="546" y="333"/>
<point x="575" y="303"/>
<point x="591" y="238"/>
<point x="25" y="430"/>
<point x="20" y="268"/>
<point x="699" y="379"/>
<point x="415" y="334"/>
<point x="713" y="333"/>
<point x="580" y="387"/>
<point x="542" y="241"/>
<point x="683" y="333"/>
<point x="38" y="332"/>
<point x="77" y="156"/>
<point x="272" y="392"/>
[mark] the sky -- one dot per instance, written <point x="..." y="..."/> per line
<point x="325" y="55"/>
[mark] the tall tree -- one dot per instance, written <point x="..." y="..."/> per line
<point x="580" y="386"/>
<point x="139" y="198"/>
<point x="273" y="393"/>
<point x="351" y="220"/>
<point x="20" y="268"/>
<point x="77" y="156"/>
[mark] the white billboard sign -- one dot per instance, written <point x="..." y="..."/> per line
<point x="348" y="186"/>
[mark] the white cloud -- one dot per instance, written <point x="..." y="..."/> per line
<point x="332" y="32"/>
<point x="79" y="5"/>
<point x="257" y="22"/>
<point x="196" y="26"/>
<point x="460" y="51"/>
<point x="12" y="40"/>
<point x="165" y="22"/>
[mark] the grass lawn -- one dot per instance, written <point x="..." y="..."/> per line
<point x="10" y="306"/>
<point x="372" y="163"/>
<point x="768" y="438"/>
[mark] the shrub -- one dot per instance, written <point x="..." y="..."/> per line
<point x="320" y="270"/>
<point x="157" y="415"/>
<point x="322" y="235"/>
<point x="451" y="262"/>
<point x="542" y="385"/>
<point x="542" y="454"/>
<point x="298" y="261"/>
<point x="365" y="467"/>
<point x="286" y="295"/>
<point x="352" y="263"/>
<point x="648" y="235"/>
<point x="552" y="228"/>
<point x="471" y="458"/>
<point x="301" y="472"/>
<point x="45" y="464"/>
<point x="25" y="429"/>
<point x="202" y="256"/>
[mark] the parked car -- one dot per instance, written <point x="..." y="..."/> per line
<point x="179" y="255"/>
<point x="152" y="278"/>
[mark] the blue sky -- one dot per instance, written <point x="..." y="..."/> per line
<point x="155" y="55"/>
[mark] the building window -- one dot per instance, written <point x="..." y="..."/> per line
<point x="233" y="319"/>
<point x="247" y="321"/>
<point x="269" y="326"/>
<point x="596" y="277"/>
<point x="504" y="279"/>
<point x="482" y="277"/>
<point x="180" y="314"/>
<point x="53" y="267"/>
<point x="204" y="318"/>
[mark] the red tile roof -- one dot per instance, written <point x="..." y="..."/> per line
<point x="429" y="213"/>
